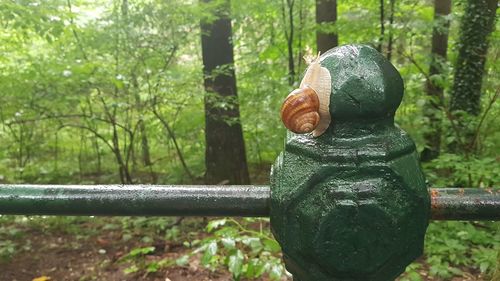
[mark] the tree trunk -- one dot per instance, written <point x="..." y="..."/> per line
<point x="80" y="155"/>
<point x="476" y="26"/>
<point x="146" y="156"/>
<point x="433" y="110"/>
<point x="326" y="13"/>
<point x="382" y="26"/>
<point x="303" y="11"/>
<point x="287" y="7"/>
<point x="145" y="150"/>
<point x="225" y="157"/>
<point x="391" y="30"/>
<point x="95" y="142"/>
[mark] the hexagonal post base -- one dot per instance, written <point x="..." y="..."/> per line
<point x="352" y="204"/>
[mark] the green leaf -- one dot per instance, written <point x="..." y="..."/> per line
<point x="228" y="243"/>
<point x="272" y="246"/>
<point x="182" y="261"/>
<point x="235" y="264"/>
<point x="276" y="272"/>
<point x="210" y="252"/>
<point x="141" y="251"/>
<point x="215" y="224"/>
<point x="131" y="269"/>
<point x="153" y="267"/>
<point x="254" y="243"/>
<point x="484" y="266"/>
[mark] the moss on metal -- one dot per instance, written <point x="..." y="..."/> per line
<point x="352" y="204"/>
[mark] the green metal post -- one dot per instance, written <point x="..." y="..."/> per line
<point x="351" y="204"/>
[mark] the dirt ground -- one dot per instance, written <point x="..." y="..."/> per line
<point x="63" y="258"/>
<point x="68" y="257"/>
<point x="88" y="254"/>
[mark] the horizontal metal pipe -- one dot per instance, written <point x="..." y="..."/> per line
<point x="465" y="204"/>
<point x="135" y="200"/>
<point x="203" y="200"/>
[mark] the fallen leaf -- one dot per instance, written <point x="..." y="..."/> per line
<point x="41" y="278"/>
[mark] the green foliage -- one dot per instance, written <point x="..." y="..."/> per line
<point x="137" y="262"/>
<point x="452" y="245"/>
<point x="81" y="80"/>
<point x="473" y="172"/>
<point x="137" y="255"/>
<point x="117" y="65"/>
<point x="7" y="249"/>
<point x="243" y="251"/>
<point x="8" y="235"/>
<point x="85" y="86"/>
<point x="411" y="273"/>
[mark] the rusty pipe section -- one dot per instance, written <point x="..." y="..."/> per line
<point x="465" y="204"/>
<point x="205" y="200"/>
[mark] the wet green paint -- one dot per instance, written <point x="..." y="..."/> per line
<point x="135" y="200"/>
<point x="204" y="200"/>
<point x="352" y="204"/>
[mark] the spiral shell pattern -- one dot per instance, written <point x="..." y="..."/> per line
<point x="300" y="111"/>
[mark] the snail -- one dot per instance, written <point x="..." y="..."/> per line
<point x="306" y="109"/>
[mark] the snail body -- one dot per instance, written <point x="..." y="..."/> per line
<point x="306" y="109"/>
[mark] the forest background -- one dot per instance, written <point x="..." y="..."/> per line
<point x="125" y="92"/>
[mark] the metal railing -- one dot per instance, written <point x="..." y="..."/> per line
<point x="205" y="200"/>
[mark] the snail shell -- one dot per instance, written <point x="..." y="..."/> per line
<point x="299" y="112"/>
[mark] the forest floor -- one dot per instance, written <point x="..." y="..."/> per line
<point x="94" y="251"/>
<point x="84" y="249"/>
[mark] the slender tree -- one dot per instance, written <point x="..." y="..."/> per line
<point x="391" y="30"/>
<point x="476" y="26"/>
<point x="326" y="15"/>
<point x="382" y="26"/>
<point x="225" y="157"/>
<point x="433" y="111"/>
<point x="287" y="7"/>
